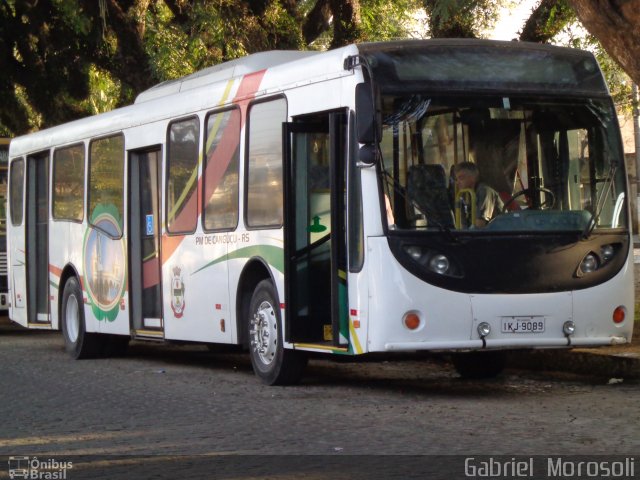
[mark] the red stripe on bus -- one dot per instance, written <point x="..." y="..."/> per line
<point x="151" y="273"/>
<point x="246" y="92"/>
<point x="249" y="86"/>
<point x="55" y="270"/>
<point x="169" y="245"/>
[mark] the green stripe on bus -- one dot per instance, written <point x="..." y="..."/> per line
<point x="274" y="256"/>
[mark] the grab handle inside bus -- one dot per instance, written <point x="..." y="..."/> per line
<point x="465" y="197"/>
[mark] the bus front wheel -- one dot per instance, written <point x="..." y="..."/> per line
<point x="272" y="363"/>
<point x="78" y="343"/>
<point x="479" y="365"/>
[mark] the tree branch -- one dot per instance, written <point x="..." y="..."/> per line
<point x="546" y="21"/>
<point x="317" y="21"/>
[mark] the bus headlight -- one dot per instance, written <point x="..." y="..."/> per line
<point x="589" y="263"/>
<point x="434" y="261"/>
<point x="414" y="252"/>
<point x="607" y="252"/>
<point x="593" y="261"/>
<point x="440" y="264"/>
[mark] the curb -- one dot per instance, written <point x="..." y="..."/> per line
<point x="602" y="363"/>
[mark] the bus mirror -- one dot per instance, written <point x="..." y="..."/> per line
<point x="367" y="121"/>
<point x="367" y="155"/>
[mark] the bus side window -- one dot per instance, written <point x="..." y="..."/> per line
<point x="221" y="162"/>
<point x="264" y="164"/>
<point x="106" y="184"/>
<point x="68" y="183"/>
<point x="17" y="191"/>
<point x="182" y="176"/>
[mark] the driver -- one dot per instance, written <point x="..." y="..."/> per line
<point x="488" y="202"/>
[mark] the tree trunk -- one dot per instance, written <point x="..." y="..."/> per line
<point x="346" y="22"/>
<point x="130" y="63"/>
<point x="616" y="24"/>
<point x="546" y="21"/>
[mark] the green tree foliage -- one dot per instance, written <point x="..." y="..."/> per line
<point x="52" y="51"/>
<point x="64" y="59"/>
<point x="461" y="18"/>
<point x="41" y="63"/>
<point x="388" y="20"/>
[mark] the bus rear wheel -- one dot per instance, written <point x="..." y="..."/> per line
<point x="479" y="365"/>
<point x="78" y="343"/>
<point x="272" y="363"/>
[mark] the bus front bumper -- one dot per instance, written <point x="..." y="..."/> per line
<point x="512" y="344"/>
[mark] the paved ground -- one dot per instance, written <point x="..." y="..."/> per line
<point x="182" y="409"/>
<point x="169" y="412"/>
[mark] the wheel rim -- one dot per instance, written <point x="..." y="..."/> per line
<point x="264" y="333"/>
<point x="72" y="318"/>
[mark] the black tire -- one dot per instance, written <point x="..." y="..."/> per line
<point x="78" y="343"/>
<point x="272" y="363"/>
<point x="479" y="365"/>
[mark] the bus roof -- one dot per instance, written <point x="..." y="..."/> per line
<point x="224" y="71"/>
<point x="462" y="65"/>
<point x="199" y="91"/>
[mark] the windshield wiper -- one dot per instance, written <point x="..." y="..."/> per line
<point x="595" y="215"/>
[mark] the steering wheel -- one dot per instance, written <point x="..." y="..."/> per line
<point x="548" y="203"/>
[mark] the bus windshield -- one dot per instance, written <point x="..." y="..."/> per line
<point x="543" y="163"/>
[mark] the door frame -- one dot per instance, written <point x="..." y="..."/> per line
<point x="134" y="243"/>
<point x="338" y="123"/>
<point x="34" y="273"/>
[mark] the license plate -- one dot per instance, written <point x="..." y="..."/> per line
<point x="522" y="324"/>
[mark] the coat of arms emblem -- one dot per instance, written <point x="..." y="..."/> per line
<point x="177" y="292"/>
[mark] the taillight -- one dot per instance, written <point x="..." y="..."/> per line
<point x="619" y="314"/>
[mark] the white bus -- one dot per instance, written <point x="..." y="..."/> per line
<point x="4" y="166"/>
<point x="297" y="202"/>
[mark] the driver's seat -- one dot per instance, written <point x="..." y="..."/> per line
<point x="427" y="189"/>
